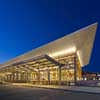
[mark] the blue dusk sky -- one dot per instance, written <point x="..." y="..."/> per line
<point x="28" y="24"/>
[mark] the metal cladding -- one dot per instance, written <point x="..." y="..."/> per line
<point x="80" y="42"/>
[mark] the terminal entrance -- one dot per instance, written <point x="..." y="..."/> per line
<point x="44" y="70"/>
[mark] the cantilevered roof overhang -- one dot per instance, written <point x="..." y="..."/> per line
<point x="80" y="42"/>
<point x="37" y="63"/>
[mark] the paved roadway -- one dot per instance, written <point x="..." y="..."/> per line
<point x="27" y="93"/>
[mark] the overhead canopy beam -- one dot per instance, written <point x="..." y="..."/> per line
<point x="23" y="68"/>
<point x="29" y="68"/>
<point x="53" y="60"/>
<point x="36" y="59"/>
<point x="29" y="60"/>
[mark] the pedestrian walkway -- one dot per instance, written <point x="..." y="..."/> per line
<point x="65" y="88"/>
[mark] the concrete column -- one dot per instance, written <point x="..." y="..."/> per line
<point x="13" y="77"/>
<point x="30" y="76"/>
<point x="6" y="77"/>
<point x="48" y="76"/>
<point x="27" y="76"/>
<point x="10" y="77"/>
<point x="21" y="76"/>
<point x="17" y="76"/>
<point x="38" y="75"/>
<point x="59" y="74"/>
<point x="75" y="70"/>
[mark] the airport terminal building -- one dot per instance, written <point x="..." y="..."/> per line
<point x="58" y="62"/>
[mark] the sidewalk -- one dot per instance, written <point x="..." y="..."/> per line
<point x="94" y="90"/>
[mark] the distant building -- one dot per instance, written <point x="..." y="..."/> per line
<point x="91" y="76"/>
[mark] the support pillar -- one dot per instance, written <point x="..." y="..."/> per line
<point x="10" y="77"/>
<point x="13" y="77"/>
<point x="75" y="70"/>
<point x="59" y="75"/>
<point x="27" y="77"/>
<point x="38" y="75"/>
<point x="7" y="78"/>
<point x="48" y="76"/>
<point x="21" y="77"/>
<point x="17" y="76"/>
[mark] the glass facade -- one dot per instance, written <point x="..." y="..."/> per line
<point x="59" y="70"/>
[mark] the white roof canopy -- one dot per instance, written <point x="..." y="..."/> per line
<point x="80" y="41"/>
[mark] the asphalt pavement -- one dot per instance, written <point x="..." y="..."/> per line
<point x="27" y="93"/>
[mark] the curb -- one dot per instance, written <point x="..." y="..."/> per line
<point x="74" y="91"/>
